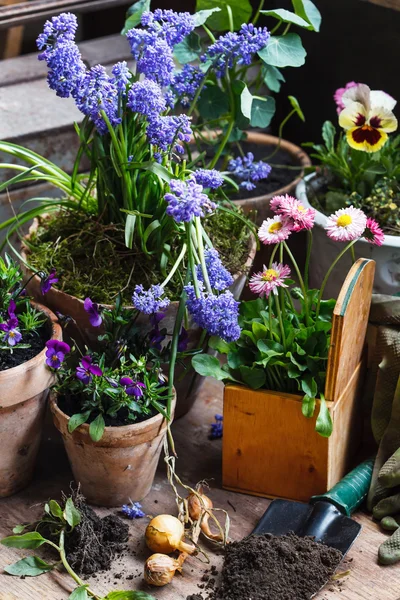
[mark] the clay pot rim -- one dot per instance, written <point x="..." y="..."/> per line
<point x="111" y="432"/>
<point x="321" y="218"/>
<point x="39" y="359"/>
<point x="55" y="292"/>
<point x="292" y="149"/>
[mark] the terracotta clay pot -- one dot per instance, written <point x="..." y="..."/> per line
<point x="261" y="203"/>
<point x="119" y="467"/>
<point x="23" y="395"/>
<point x="66" y="304"/>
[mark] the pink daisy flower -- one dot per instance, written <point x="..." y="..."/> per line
<point x="338" y="95"/>
<point x="287" y="206"/>
<point x="373" y="233"/>
<point x="346" y="224"/>
<point x="275" y="230"/>
<point x="269" y="280"/>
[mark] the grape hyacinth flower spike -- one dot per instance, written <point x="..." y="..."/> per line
<point x="133" y="511"/>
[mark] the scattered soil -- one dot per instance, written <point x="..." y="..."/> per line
<point x="266" y="567"/>
<point x="94" y="543"/>
<point x="278" y="178"/>
<point x="22" y="355"/>
<point x="91" y="258"/>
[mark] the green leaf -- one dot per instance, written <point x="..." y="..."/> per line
<point x="270" y="347"/>
<point x="324" y="425"/>
<point x="328" y="135"/>
<point x="272" y="77"/>
<point x="189" y="49"/>
<point x="209" y="366"/>
<point x="254" y="378"/>
<point x="202" y="16"/>
<point x="77" y="420"/>
<point x="284" y="51"/>
<point x="308" y="11"/>
<point x="213" y="103"/>
<point x="308" y="406"/>
<point x="27" y="540"/>
<point x="234" y="359"/>
<point x="79" y="593"/>
<point x="335" y="200"/>
<point x="71" y="514"/>
<point x="262" y="111"/>
<point x="286" y="16"/>
<point x="241" y="12"/>
<point x="134" y="14"/>
<point x="220" y="345"/>
<point x="259" y="330"/>
<point x="246" y="101"/>
<point x="31" y="566"/>
<point x="129" y="230"/>
<point x="309" y="385"/>
<point x="295" y="104"/>
<point x="55" y="509"/>
<point x="19" y="528"/>
<point x="120" y="595"/>
<point x="96" y="428"/>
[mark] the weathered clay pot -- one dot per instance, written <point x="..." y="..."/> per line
<point x="119" y="467"/>
<point x="64" y="303"/>
<point x="261" y="203"/>
<point x="23" y="395"/>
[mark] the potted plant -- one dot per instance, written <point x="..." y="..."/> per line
<point x="360" y="168"/>
<point x="25" y="327"/>
<point x="277" y="442"/>
<point x="226" y="82"/>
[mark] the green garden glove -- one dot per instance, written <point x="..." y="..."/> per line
<point x="384" y="386"/>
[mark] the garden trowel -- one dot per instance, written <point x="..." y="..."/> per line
<point x="326" y="517"/>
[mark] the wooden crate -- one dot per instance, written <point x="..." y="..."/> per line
<point x="269" y="447"/>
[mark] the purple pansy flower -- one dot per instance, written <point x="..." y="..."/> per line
<point x="132" y="388"/>
<point x="93" y="311"/>
<point x="55" y="353"/>
<point x="85" y="370"/>
<point x="47" y="282"/>
<point x="12" y="334"/>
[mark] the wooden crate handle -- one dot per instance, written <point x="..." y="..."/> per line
<point x="349" y="325"/>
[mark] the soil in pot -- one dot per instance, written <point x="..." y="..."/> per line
<point x="91" y="259"/>
<point x="95" y="542"/>
<point x="266" y="567"/>
<point x="21" y="355"/>
<point x="289" y="168"/>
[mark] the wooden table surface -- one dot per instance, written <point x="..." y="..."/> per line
<point x="199" y="459"/>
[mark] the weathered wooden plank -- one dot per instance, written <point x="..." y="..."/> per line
<point x="393" y="4"/>
<point x="199" y="458"/>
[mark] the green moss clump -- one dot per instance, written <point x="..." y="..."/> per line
<point x="91" y="258"/>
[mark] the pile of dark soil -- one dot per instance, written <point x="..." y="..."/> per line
<point x="94" y="543"/>
<point x="21" y="355"/>
<point x="266" y="567"/>
<point x="279" y="177"/>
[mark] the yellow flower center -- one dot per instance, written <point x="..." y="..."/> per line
<point x="344" y="220"/>
<point x="54" y="358"/>
<point x="301" y="208"/>
<point x="11" y="334"/>
<point x="275" y="227"/>
<point x="270" y="275"/>
<point x="392" y="206"/>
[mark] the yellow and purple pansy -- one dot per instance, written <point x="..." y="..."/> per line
<point x="367" y="117"/>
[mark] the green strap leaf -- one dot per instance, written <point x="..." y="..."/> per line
<point x="77" y="420"/>
<point x="324" y="425"/>
<point x="284" y="51"/>
<point x="71" y="513"/>
<point x="31" y="566"/>
<point x="96" y="428"/>
<point x="129" y="230"/>
<point x="30" y="540"/>
<point x="286" y="16"/>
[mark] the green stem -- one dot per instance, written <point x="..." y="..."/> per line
<point x="223" y="143"/>
<point x="200" y="248"/>
<point x="301" y="282"/>
<point x="353" y="254"/>
<point x="176" y="265"/>
<point x="259" y="9"/>
<point x="192" y="266"/>
<point x="279" y="313"/>
<point x="281" y="290"/>
<point x="270" y="316"/>
<point x="280" y="132"/>
<point x="321" y="291"/>
<point x="308" y="255"/>
<point x="69" y="569"/>
<point x="271" y="260"/>
<point x="230" y="18"/>
<point x="209" y="33"/>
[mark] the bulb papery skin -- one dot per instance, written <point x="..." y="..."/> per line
<point x="159" y="569"/>
<point x="197" y="506"/>
<point x="165" y="534"/>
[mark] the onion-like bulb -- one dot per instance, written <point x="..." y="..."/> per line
<point x="197" y="511"/>
<point x="159" y="569"/>
<point x="165" y="533"/>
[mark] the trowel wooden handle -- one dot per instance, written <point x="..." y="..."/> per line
<point x="351" y="491"/>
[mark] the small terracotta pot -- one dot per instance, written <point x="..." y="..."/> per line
<point x="23" y="394"/>
<point x="119" y="467"/>
<point x="261" y="203"/>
